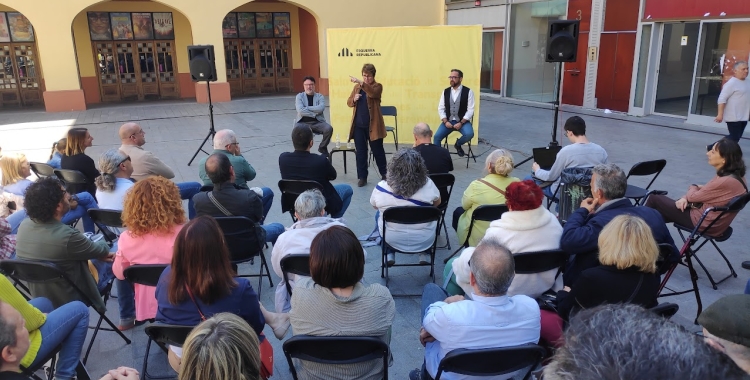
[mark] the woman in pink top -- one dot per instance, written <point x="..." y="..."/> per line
<point x="154" y="216"/>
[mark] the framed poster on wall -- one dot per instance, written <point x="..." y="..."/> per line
<point x="246" y="25"/>
<point x="229" y="25"/>
<point x="163" y="26"/>
<point x="122" y="28"/>
<point x="20" y="27"/>
<point x="143" y="27"/>
<point x="4" y="32"/>
<point x="99" y="28"/>
<point x="281" y="25"/>
<point x="264" y="24"/>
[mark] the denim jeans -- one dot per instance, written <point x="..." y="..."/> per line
<point x="125" y="300"/>
<point x="273" y="230"/>
<point x="85" y="201"/>
<point x="345" y="193"/>
<point x="466" y="131"/>
<point x="187" y="190"/>
<point x="267" y="201"/>
<point x="66" y="327"/>
<point x="15" y="220"/>
<point x="430" y="294"/>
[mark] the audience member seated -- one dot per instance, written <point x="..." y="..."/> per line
<point x="599" y="339"/>
<point x="224" y="347"/>
<point x="406" y="184"/>
<point x="200" y="282"/>
<point x="301" y="165"/>
<point x="491" y="319"/>
<point x="725" y="328"/>
<point x="726" y="157"/>
<point x="16" y="345"/>
<point x="627" y="274"/>
<point x="154" y="216"/>
<point x="75" y="157"/>
<point x="489" y="190"/>
<point x="225" y="142"/>
<point x="526" y="227"/>
<point x="146" y="164"/>
<point x="436" y="158"/>
<point x="58" y="150"/>
<point x="335" y="302"/>
<point x="115" y="181"/>
<point x="310" y="107"/>
<point x="16" y="170"/>
<point x="581" y="231"/>
<point x="580" y="154"/>
<point x="48" y="328"/>
<point x="309" y="209"/>
<point x="7" y="240"/>
<point x="43" y="237"/>
<point x="228" y="199"/>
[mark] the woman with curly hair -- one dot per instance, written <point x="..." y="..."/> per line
<point x="406" y="184"/>
<point x="154" y="216"/>
<point x="114" y="182"/>
<point x="489" y="190"/>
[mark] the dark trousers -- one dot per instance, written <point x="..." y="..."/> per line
<point x="320" y="128"/>
<point x="736" y="129"/>
<point x="361" y="138"/>
<point x="456" y="216"/>
<point x="669" y="211"/>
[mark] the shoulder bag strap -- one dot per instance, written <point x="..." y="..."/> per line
<point x="637" y="288"/>
<point x="741" y="181"/>
<point x="218" y="205"/>
<point x="492" y="186"/>
<point x="203" y="317"/>
<point x="416" y="202"/>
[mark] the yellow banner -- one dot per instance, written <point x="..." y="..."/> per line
<point x="413" y="65"/>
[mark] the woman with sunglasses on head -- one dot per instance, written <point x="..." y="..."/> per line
<point x="114" y="181"/>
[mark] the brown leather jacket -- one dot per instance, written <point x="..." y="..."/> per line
<point x="377" y="125"/>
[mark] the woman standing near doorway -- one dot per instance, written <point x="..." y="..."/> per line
<point x="367" y="121"/>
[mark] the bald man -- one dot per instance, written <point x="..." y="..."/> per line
<point x="437" y="158"/>
<point x="146" y="164"/>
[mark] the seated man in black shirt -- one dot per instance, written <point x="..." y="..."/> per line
<point x="301" y="165"/>
<point x="437" y="158"/>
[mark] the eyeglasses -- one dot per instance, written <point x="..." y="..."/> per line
<point x="141" y="132"/>
<point x="453" y="77"/>
<point x="123" y="161"/>
<point x="366" y="76"/>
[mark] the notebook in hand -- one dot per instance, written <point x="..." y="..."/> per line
<point x="545" y="156"/>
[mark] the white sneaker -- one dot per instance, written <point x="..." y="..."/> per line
<point x="390" y="259"/>
<point x="424" y="258"/>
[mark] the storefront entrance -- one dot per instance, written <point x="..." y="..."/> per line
<point x="20" y="76"/>
<point x="258" y="66"/>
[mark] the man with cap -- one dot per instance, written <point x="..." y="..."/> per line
<point x="726" y="328"/>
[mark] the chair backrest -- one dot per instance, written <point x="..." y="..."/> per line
<point x="492" y="361"/>
<point x="173" y="335"/>
<point x="575" y="186"/>
<point x="335" y="350"/>
<point x="389" y="111"/>
<point x="75" y="181"/>
<point x="144" y="274"/>
<point x="42" y="170"/>
<point x="291" y="189"/>
<point x="109" y="218"/>
<point x="486" y="213"/>
<point x="444" y="182"/>
<point x="666" y="310"/>
<point x="37" y="272"/>
<point x="647" y="168"/>
<point x="412" y="214"/>
<point x="294" y="264"/>
<point x="539" y="261"/>
<point x="739" y="202"/>
<point x="735" y="205"/>
<point x="242" y="237"/>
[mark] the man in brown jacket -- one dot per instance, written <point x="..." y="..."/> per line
<point x="367" y="121"/>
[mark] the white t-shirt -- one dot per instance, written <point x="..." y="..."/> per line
<point x="736" y="95"/>
<point x="115" y="199"/>
<point x="412" y="237"/>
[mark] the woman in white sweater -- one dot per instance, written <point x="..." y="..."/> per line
<point x="526" y="227"/>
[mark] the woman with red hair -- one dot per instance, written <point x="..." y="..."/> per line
<point x="526" y="227"/>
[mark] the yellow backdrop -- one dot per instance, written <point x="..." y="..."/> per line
<point x="413" y="64"/>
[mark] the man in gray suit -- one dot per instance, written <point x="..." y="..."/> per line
<point x="310" y="106"/>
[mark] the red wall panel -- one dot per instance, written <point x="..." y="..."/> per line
<point x="695" y="9"/>
<point x="621" y="15"/>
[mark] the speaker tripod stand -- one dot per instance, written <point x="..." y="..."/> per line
<point x="211" y="131"/>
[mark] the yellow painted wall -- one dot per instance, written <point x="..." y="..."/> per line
<point x="293" y="20"/>
<point x="54" y="19"/>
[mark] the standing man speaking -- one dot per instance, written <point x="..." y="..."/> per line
<point x="734" y="102"/>
<point x="456" y="109"/>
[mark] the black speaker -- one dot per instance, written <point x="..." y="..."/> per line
<point x="562" y="41"/>
<point x="202" y="63"/>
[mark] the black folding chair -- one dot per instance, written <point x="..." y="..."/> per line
<point x="74" y="181"/>
<point x="164" y="335"/>
<point x="409" y="215"/>
<point x="540" y="261"/>
<point x="38" y="272"/>
<point x="444" y="182"/>
<point x="486" y="213"/>
<point x="666" y="310"/>
<point x="643" y="169"/>
<point x="49" y="372"/>
<point x="687" y="253"/>
<point x="391" y="111"/>
<point x="574" y="187"/>
<point x="298" y="264"/>
<point x="492" y="361"/>
<point x="291" y="189"/>
<point x="243" y="240"/>
<point x="42" y="170"/>
<point x="104" y="218"/>
<point x="335" y="350"/>
<point x="144" y="274"/>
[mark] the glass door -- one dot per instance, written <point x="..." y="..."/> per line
<point x="679" y="48"/>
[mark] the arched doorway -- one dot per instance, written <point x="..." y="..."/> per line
<point x="132" y="51"/>
<point x="21" y="74"/>
<point x="268" y="47"/>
